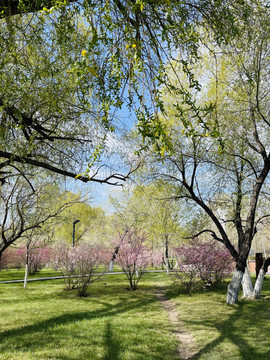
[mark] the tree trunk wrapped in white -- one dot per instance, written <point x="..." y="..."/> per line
<point x="234" y="287"/>
<point x="258" y="284"/>
<point x="247" y="284"/>
<point x="259" y="281"/>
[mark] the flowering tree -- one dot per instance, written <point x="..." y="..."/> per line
<point x="10" y="259"/>
<point x="81" y="265"/>
<point x="205" y="262"/>
<point x="133" y="256"/>
<point x="37" y="257"/>
<point x="157" y="259"/>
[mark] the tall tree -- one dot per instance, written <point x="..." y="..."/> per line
<point x="232" y="171"/>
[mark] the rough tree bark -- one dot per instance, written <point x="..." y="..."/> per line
<point x="234" y="287"/>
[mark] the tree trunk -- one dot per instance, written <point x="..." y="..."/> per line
<point x="25" y="276"/>
<point x="247" y="284"/>
<point x="258" y="284"/>
<point x="111" y="266"/>
<point x="167" y="261"/>
<point x="259" y="281"/>
<point x="26" y="266"/>
<point x="234" y="287"/>
<point x="259" y="263"/>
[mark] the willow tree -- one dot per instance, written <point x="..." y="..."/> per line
<point x="67" y="67"/>
<point x="226" y="173"/>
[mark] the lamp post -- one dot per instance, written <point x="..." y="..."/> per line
<point x="73" y="234"/>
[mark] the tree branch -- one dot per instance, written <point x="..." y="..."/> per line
<point x="27" y="160"/>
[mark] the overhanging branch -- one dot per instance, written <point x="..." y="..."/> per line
<point x="112" y="179"/>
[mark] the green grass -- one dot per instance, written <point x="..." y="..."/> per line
<point x="44" y="321"/>
<point x="18" y="274"/>
<point x="221" y="331"/>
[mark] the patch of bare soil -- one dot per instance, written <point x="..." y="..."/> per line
<point x="186" y="347"/>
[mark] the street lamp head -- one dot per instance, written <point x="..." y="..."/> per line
<point x="76" y="222"/>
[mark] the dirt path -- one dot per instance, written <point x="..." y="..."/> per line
<point x="186" y="347"/>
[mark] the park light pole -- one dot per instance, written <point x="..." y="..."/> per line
<point x="73" y="233"/>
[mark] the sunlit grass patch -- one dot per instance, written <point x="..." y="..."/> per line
<point x="224" y="332"/>
<point x="44" y="321"/>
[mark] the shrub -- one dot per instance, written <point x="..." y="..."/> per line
<point x="133" y="256"/>
<point x="81" y="265"/>
<point x="38" y="257"/>
<point x="11" y="260"/>
<point x="202" y="262"/>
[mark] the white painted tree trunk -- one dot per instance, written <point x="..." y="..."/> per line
<point x="234" y="287"/>
<point x="247" y="284"/>
<point x="111" y="265"/>
<point x="167" y="266"/>
<point x="25" y="276"/>
<point x="258" y="284"/>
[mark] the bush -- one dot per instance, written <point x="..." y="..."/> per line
<point x="38" y="257"/>
<point x="203" y="263"/>
<point x="133" y="257"/>
<point x="10" y="259"/>
<point x="81" y="265"/>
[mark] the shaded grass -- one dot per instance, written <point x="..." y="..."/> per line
<point x="221" y="331"/>
<point x="44" y="321"/>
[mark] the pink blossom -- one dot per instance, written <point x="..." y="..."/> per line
<point x="133" y="256"/>
<point x="207" y="261"/>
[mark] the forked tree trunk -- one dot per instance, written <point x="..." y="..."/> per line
<point x="234" y="287"/>
<point x="247" y="284"/>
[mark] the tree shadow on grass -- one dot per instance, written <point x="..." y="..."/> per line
<point x="36" y="336"/>
<point x="111" y="344"/>
<point x="230" y="332"/>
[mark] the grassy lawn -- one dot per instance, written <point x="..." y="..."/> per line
<point x="18" y="274"/>
<point x="44" y="321"/>
<point x="235" y="332"/>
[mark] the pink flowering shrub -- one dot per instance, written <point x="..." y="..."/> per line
<point x="202" y="262"/>
<point x="38" y="257"/>
<point x="11" y="260"/>
<point x="133" y="256"/>
<point x="81" y="265"/>
<point x="157" y="259"/>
